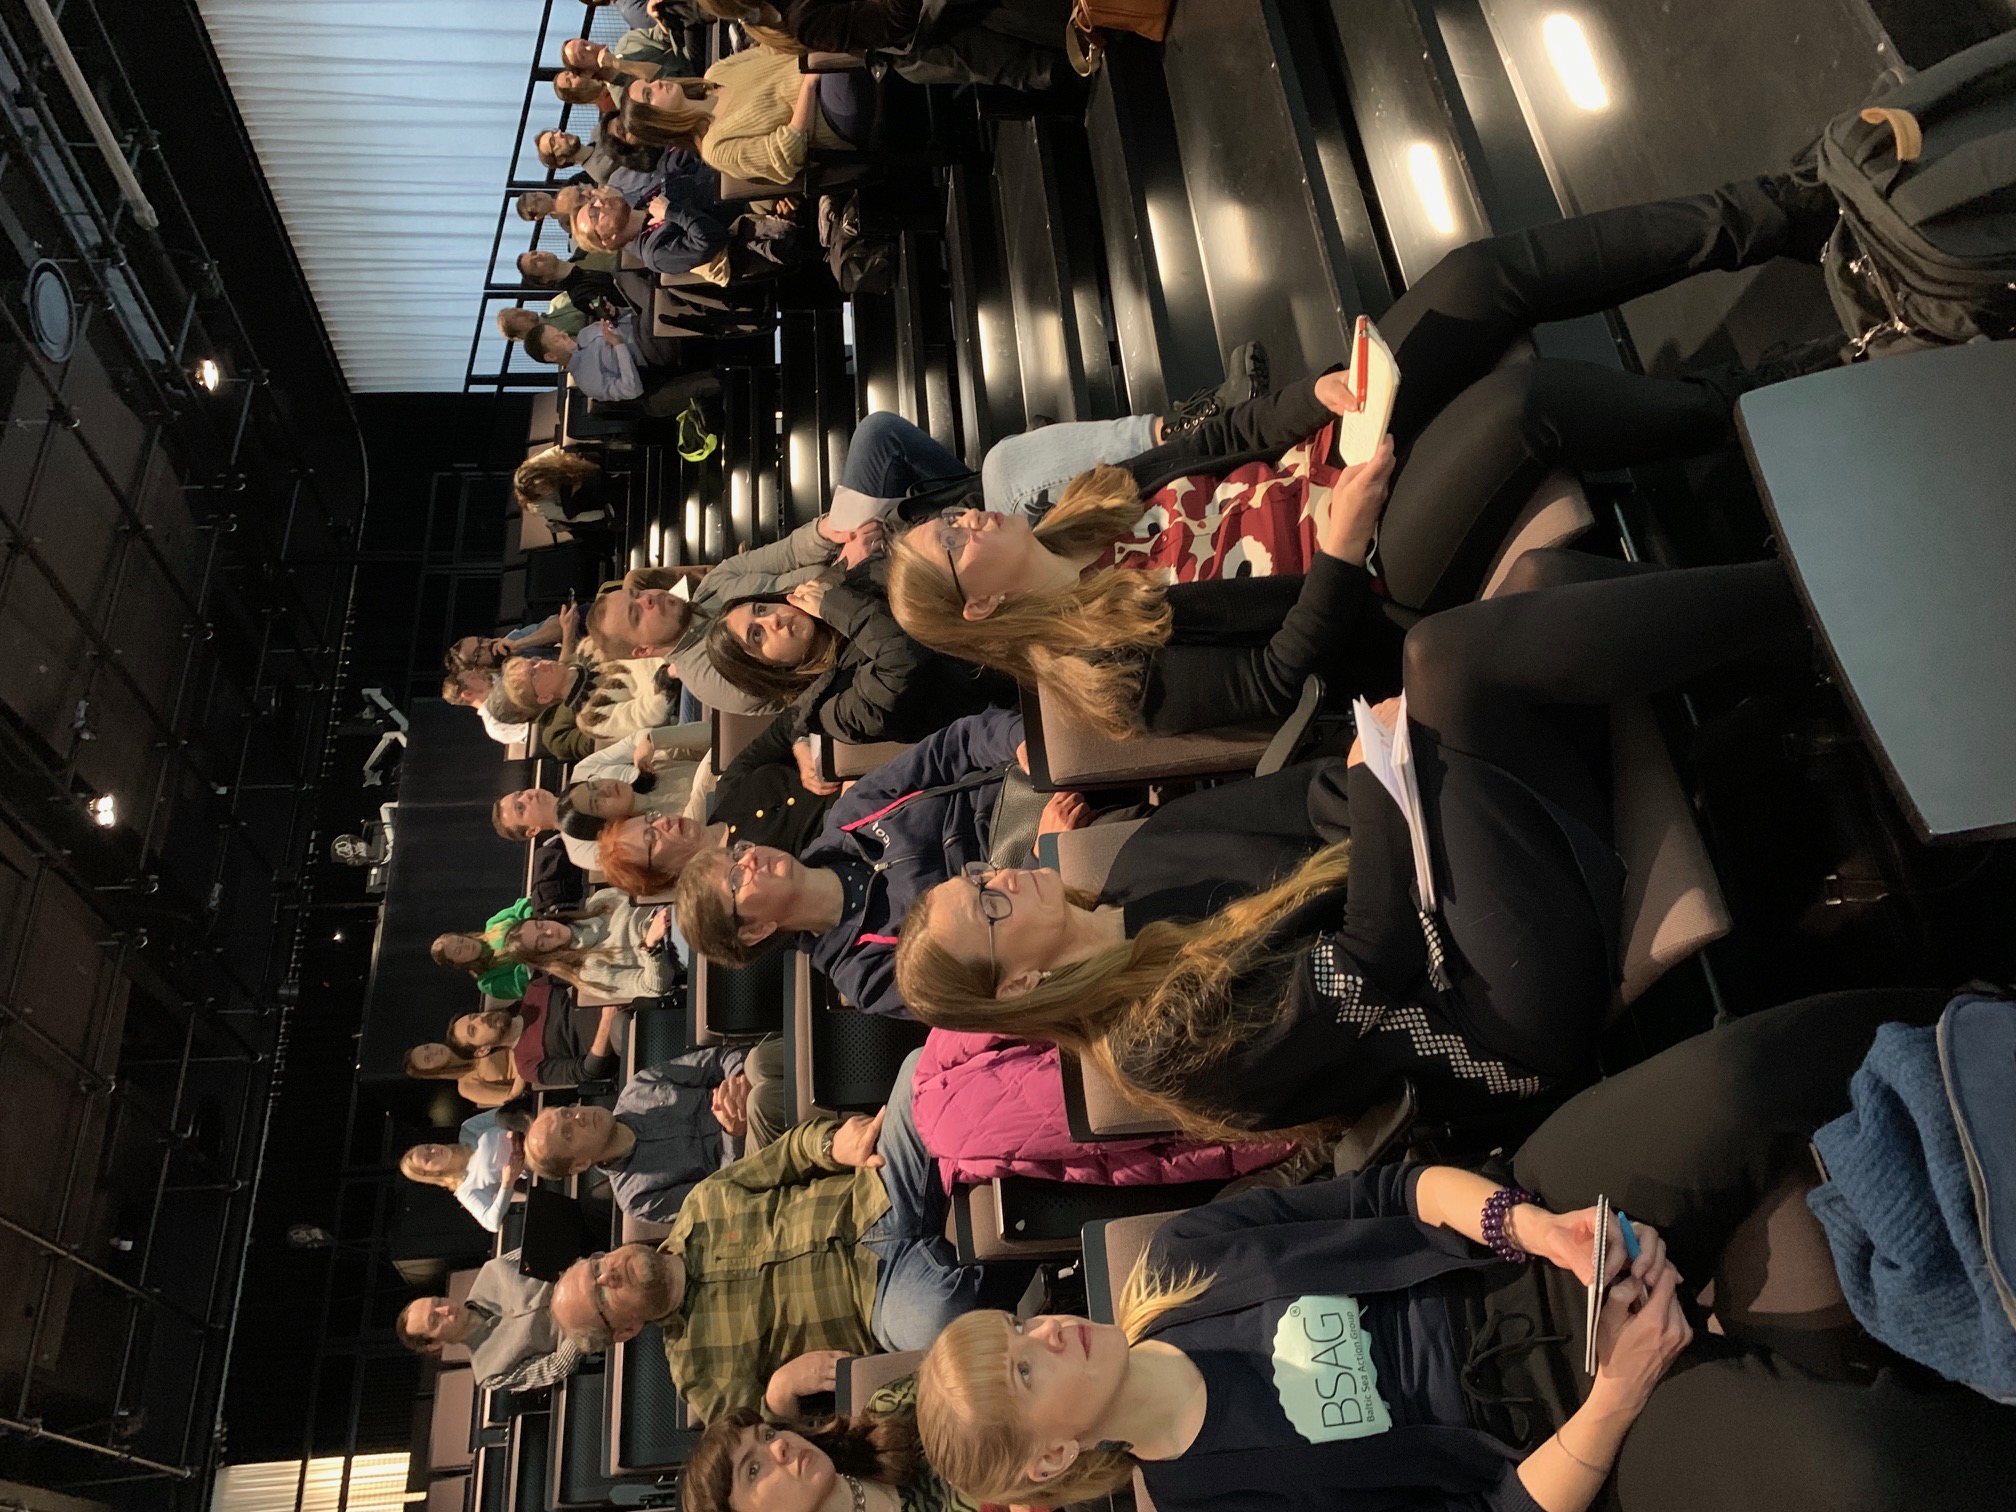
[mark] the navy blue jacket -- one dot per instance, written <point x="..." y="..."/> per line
<point x="913" y="842"/>
<point x="695" y="224"/>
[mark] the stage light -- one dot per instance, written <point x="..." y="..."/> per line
<point x="104" y="811"/>
<point x="210" y="375"/>
<point x="1431" y="187"/>
<point x="1575" y="61"/>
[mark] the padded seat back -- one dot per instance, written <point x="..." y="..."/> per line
<point x="843" y="759"/>
<point x="859" y="1377"/>
<point x="1557" y="514"/>
<point x="1076" y="756"/>
<point x="648" y="1430"/>
<point x="1096" y="1107"/>
<point x="1085" y="856"/>
<point x="1112" y="1246"/>
<point x="1673" y="903"/>
<point x="855" y="1057"/>
<point x="740" y="1002"/>
<point x="732" y="734"/>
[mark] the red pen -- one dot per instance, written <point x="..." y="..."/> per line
<point x="1361" y="359"/>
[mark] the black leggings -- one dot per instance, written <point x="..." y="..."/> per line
<point x="1499" y="680"/>
<point x="1689" y="1142"/>
<point x="1475" y="443"/>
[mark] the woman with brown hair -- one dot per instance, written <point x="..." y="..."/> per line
<point x="564" y="487"/>
<point x="832" y="654"/>
<point x="488" y="1080"/>
<point x="754" y="115"/>
<point x="870" y="1462"/>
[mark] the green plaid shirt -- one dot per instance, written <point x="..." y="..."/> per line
<point x="773" y="1269"/>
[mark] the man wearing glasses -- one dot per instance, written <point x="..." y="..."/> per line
<point x="832" y="1238"/>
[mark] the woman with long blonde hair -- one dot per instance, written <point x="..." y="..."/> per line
<point x="1414" y="1336"/>
<point x="754" y="115"/>
<point x="487" y="1079"/>
<point x="1484" y="981"/>
<point x="479" y="1168"/>
<point x="1472" y="441"/>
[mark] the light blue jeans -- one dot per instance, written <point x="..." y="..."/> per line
<point x="920" y="1286"/>
<point x="1024" y="474"/>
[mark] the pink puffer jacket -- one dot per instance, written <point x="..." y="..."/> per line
<point x="989" y="1106"/>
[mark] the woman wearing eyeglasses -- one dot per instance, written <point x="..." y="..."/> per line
<point x="1314" y="998"/>
<point x="1127" y="653"/>
<point x="832" y="654"/>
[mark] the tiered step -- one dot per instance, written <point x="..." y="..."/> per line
<point x="1055" y="271"/>
<point x="1161" y="304"/>
<point x="1288" y="250"/>
<point x="983" y="315"/>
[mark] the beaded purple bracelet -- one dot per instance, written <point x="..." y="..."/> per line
<point x="1496" y="1206"/>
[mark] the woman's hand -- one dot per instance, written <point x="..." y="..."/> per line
<point x="1064" y="811"/>
<point x="1639" y="1334"/>
<point x="1569" y="1241"/>
<point x="811" y="596"/>
<point x="644" y="752"/>
<point x="659" y="207"/>
<point x="863" y="542"/>
<point x="570" y="630"/>
<point x="809" y="775"/>
<point x="661" y="921"/>
<point x="1356" y="504"/>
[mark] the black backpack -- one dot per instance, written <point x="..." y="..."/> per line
<point x="1925" y="254"/>
<point x="863" y="262"/>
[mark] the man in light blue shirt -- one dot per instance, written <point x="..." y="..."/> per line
<point x="602" y="360"/>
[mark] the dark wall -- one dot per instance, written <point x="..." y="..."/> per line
<point x="449" y="871"/>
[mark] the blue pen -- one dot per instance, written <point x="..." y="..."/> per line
<point x="1630" y="1239"/>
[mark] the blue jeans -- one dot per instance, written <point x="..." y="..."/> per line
<point x="920" y="1286"/>
<point x="888" y="456"/>
<point x="1024" y="474"/>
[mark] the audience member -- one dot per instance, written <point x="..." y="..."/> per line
<point x="681" y="225"/>
<point x="744" y="1462"/>
<point x="479" y="1168"/>
<point x="612" y="362"/>
<point x="611" y="950"/>
<point x="832" y="1238"/>
<point x="1014" y="44"/>
<point x="1320" y="996"/>
<point x="548" y="695"/>
<point x="507" y="1324"/>
<point x="898" y="832"/>
<point x="641" y="615"/>
<point x="668" y="1131"/>
<point x="623" y="166"/>
<point x="754" y="116"/>
<point x="834" y="654"/>
<point x="472" y="689"/>
<point x="1463" y="1302"/>
<point x="485" y="1077"/>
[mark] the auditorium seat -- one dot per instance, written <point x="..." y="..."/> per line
<point x="1020" y="1217"/>
<point x="859" y="1377"/>
<point x="650" y="1428"/>
<point x="745" y="1002"/>
<point x="841" y="760"/>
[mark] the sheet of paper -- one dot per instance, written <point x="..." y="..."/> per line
<point x="1390" y="755"/>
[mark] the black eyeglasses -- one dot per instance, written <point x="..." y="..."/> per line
<point x="738" y="878"/>
<point x="598" y="1294"/>
<point x="951" y="536"/>
<point x="995" y="905"/>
